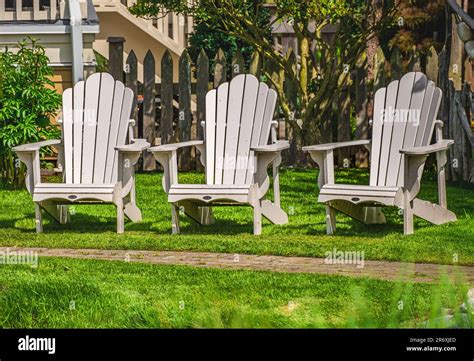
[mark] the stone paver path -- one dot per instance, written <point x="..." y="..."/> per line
<point x="417" y="272"/>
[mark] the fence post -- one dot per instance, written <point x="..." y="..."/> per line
<point x="131" y="80"/>
<point x="379" y="70"/>
<point x="432" y="65"/>
<point x="149" y="108"/>
<point x="255" y="64"/>
<point x="456" y="54"/>
<point x="344" y="123"/>
<point x="443" y="83"/>
<point x="361" y="131"/>
<point x="291" y="156"/>
<point x="220" y="69"/>
<point x="166" y="121"/>
<point x="414" y="63"/>
<point x="116" y="56"/>
<point x="185" y="116"/>
<point x="202" y="87"/>
<point x="458" y="135"/>
<point x="465" y="129"/>
<point x="238" y="64"/>
<point x="453" y="163"/>
<point x="396" y="63"/>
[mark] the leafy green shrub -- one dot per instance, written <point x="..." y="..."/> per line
<point x="208" y="36"/>
<point x="28" y="102"/>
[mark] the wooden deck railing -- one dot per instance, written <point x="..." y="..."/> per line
<point x="37" y="10"/>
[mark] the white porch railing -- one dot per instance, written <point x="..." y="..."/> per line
<point x="172" y="26"/>
<point x="37" y="10"/>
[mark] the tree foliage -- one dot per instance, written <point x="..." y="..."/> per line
<point x="417" y="20"/>
<point x="208" y="36"/>
<point x="321" y="66"/>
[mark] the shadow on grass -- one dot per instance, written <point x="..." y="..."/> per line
<point x="314" y="226"/>
<point x="299" y="191"/>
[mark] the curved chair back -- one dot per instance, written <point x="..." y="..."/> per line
<point x="96" y="115"/>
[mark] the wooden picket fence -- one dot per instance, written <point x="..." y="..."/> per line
<point x="172" y="112"/>
<point x="456" y="110"/>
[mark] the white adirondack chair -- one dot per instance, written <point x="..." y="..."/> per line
<point x="97" y="163"/>
<point x="403" y="125"/>
<point x="236" y="153"/>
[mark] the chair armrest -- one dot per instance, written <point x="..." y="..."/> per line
<point x="166" y="155"/>
<point x="276" y="147"/>
<point x="138" y="145"/>
<point x="414" y="162"/>
<point x="332" y="146"/>
<point x="433" y="148"/>
<point x="32" y="147"/>
<point x="29" y="155"/>
<point x="265" y="155"/>
<point x="322" y="154"/>
<point x="128" y="156"/>
<point x="175" y="146"/>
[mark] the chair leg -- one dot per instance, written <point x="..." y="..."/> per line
<point x="207" y="216"/>
<point x="441" y="162"/>
<point x="201" y="215"/>
<point x="330" y="220"/>
<point x="120" y="216"/>
<point x="407" y="214"/>
<point x="257" y="218"/>
<point x="175" y="219"/>
<point x="57" y="211"/>
<point x="133" y="212"/>
<point x="38" y="218"/>
<point x="64" y="214"/>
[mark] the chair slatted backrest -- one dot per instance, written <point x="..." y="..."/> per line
<point x="96" y="115"/>
<point x="404" y="117"/>
<point x="238" y="117"/>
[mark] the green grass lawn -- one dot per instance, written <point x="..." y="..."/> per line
<point x="88" y="293"/>
<point x="103" y="294"/>
<point x="94" y="226"/>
